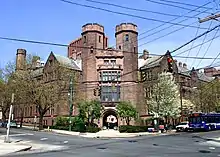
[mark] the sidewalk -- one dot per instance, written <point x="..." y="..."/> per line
<point x="7" y="148"/>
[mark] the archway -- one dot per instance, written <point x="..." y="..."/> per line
<point x="110" y="119"/>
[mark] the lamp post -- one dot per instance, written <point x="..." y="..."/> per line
<point x="70" y="95"/>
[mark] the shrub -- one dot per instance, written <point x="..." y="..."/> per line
<point x="61" y="121"/>
<point x="132" y="129"/>
<point x="92" y="129"/>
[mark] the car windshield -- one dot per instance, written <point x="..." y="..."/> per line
<point x="183" y="123"/>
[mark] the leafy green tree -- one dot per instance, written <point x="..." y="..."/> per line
<point x="165" y="100"/>
<point x="126" y="110"/>
<point x="90" y="110"/>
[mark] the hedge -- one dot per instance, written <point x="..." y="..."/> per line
<point x="132" y="129"/>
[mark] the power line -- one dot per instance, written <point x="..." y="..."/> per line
<point x="137" y="9"/>
<point x="186" y="4"/>
<point x="195" y="38"/>
<point x="192" y="43"/>
<point x="83" y="47"/>
<point x="202" y="42"/>
<point x="198" y="45"/>
<point x="208" y="47"/>
<point x="126" y="14"/>
<point x="171" y="5"/>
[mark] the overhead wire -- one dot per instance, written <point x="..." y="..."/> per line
<point x="186" y="4"/>
<point x="126" y="14"/>
<point x="139" y="10"/>
<point x="197" y="31"/>
<point x="208" y="47"/>
<point x="163" y="29"/>
<point x="202" y="43"/>
<point x="171" y="5"/>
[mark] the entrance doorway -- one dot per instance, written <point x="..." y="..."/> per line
<point x="110" y="119"/>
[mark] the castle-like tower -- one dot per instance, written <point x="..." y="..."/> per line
<point x="93" y="39"/>
<point x="20" y="59"/>
<point x="126" y="40"/>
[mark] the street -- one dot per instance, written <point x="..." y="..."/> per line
<point x="182" y="144"/>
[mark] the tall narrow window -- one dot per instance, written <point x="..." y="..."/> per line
<point x="119" y="47"/>
<point x="84" y="39"/>
<point x="134" y="49"/>
<point x="99" y="39"/>
<point x="126" y="37"/>
<point x="91" y="49"/>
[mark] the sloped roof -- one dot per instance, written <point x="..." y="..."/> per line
<point x="150" y="62"/>
<point x="37" y="72"/>
<point x="204" y="77"/>
<point x="67" y="62"/>
<point x="184" y="71"/>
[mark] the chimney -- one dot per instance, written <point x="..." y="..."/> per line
<point x="184" y="65"/>
<point x="145" y="54"/>
<point x="21" y="59"/>
<point x="180" y="64"/>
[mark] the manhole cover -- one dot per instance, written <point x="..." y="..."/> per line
<point x="101" y="148"/>
<point x="204" y="151"/>
<point x="132" y="141"/>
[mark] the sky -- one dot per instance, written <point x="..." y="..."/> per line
<point x="59" y="22"/>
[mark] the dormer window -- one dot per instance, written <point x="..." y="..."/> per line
<point x="126" y="37"/>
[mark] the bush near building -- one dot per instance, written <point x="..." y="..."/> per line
<point x="132" y="129"/>
<point x="78" y="125"/>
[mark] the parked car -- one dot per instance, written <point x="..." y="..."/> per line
<point x="13" y="124"/>
<point x="183" y="126"/>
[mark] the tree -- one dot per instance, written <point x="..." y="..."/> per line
<point x="126" y="110"/>
<point x="90" y="110"/>
<point x="165" y="99"/>
<point x="209" y="94"/>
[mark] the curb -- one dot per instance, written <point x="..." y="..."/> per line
<point x="25" y="149"/>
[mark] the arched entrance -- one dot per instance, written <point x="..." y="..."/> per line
<point x="110" y="119"/>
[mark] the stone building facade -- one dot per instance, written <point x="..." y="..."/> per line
<point x="57" y="69"/>
<point x="188" y="80"/>
<point x="112" y="71"/>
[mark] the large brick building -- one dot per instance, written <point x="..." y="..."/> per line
<point x="112" y="71"/>
<point x="187" y="79"/>
<point x="107" y="74"/>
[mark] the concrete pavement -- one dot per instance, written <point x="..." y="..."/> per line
<point x="181" y="145"/>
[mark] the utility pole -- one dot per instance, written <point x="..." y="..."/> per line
<point x="70" y="94"/>
<point x="7" y="140"/>
<point x="212" y="17"/>
<point x="181" y="101"/>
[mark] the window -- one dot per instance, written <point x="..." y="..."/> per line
<point x="99" y="39"/>
<point x="106" y="62"/>
<point x="91" y="49"/>
<point x="31" y="111"/>
<point x="110" y="93"/>
<point x="126" y="37"/>
<point x="119" y="47"/>
<point x="134" y="49"/>
<point x="84" y="41"/>
<point x="113" y="62"/>
<point x="110" y="76"/>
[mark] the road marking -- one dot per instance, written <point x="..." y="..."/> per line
<point x="212" y="148"/>
<point x="65" y="142"/>
<point x="14" y="135"/>
<point x="43" y="139"/>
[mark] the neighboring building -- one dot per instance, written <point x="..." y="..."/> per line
<point x="212" y="72"/>
<point x="113" y="72"/>
<point x="188" y="80"/>
<point x="48" y="74"/>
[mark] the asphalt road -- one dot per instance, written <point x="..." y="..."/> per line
<point x="179" y="145"/>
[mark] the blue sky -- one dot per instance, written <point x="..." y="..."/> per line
<point x="59" y="22"/>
